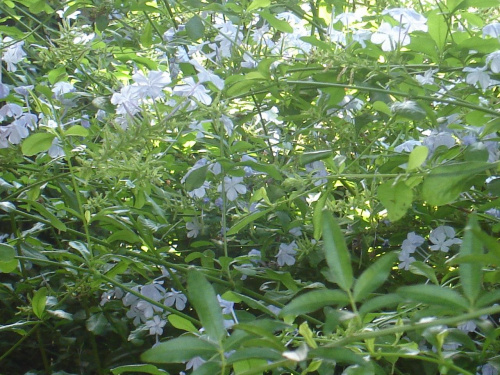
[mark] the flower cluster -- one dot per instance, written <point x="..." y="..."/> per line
<point x="440" y="238"/>
<point x="144" y="313"/>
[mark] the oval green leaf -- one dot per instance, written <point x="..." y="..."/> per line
<point x="179" y="350"/>
<point x="37" y="143"/>
<point x="202" y="297"/>
<point x="336" y="252"/>
<point x="373" y="277"/>
<point x="315" y="300"/>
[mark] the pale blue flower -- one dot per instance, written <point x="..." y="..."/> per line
<point x="443" y="237"/>
<point x="286" y="254"/>
<point x="13" y="53"/>
<point x="156" y="325"/>
<point x="177" y="298"/>
<point x="477" y="76"/>
<point x="390" y="37"/>
<point x="493" y="30"/>
<point x="405" y="260"/>
<point x="194" y="228"/>
<point x="233" y="187"/>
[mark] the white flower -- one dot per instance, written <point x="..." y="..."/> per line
<point x="193" y="227"/>
<point x="248" y="61"/>
<point x="194" y="363"/>
<point x="411" y="243"/>
<point x="443" y="237"/>
<point x="390" y="37"/>
<point x="10" y="110"/>
<point x="493" y="60"/>
<point x="60" y="88"/>
<point x="153" y="84"/>
<point x="493" y="29"/>
<point x="361" y="36"/>
<point x="193" y="89"/>
<point x="177" y="298"/>
<point x="286" y="254"/>
<point x="156" y="325"/>
<point x="55" y="149"/>
<point x="318" y="167"/>
<point x="112" y="293"/>
<point x="4" y="90"/>
<point x="153" y="291"/>
<point x="17" y="132"/>
<point x="228" y="124"/>
<point x="407" y="146"/>
<point x="205" y="75"/>
<point x="135" y="314"/>
<point x="478" y="75"/>
<point x="347" y="18"/>
<point x="405" y="260"/>
<point x="488" y="369"/>
<point x="408" y="18"/>
<point x="233" y="187"/>
<point x="199" y="192"/>
<point x="227" y="306"/>
<point x="127" y="100"/>
<point x="427" y="78"/>
<point x="296" y="231"/>
<point x="13" y="53"/>
<point x="434" y="140"/>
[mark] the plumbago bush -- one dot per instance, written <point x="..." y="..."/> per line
<point x="249" y="187"/>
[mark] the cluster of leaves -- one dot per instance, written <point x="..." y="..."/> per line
<point x="249" y="187"/>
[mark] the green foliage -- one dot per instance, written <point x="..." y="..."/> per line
<point x="249" y="187"/>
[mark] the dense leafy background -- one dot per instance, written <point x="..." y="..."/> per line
<point x="249" y="187"/>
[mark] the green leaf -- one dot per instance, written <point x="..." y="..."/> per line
<point x="202" y="297"/>
<point x="196" y="178"/>
<point x="136" y="369"/>
<point x="423" y="269"/>
<point x="256" y="4"/>
<point x="179" y="350"/>
<point x="39" y="302"/>
<point x="417" y="157"/>
<point x="36" y="143"/>
<point x="445" y="183"/>
<point x="341" y="355"/>
<point x="471" y="273"/>
<point x="336" y="252"/>
<point x="57" y="74"/>
<point x="247" y="220"/>
<point x="438" y="29"/>
<point x="397" y="197"/>
<point x="7" y="253"/>
<point x="8" y="262"/>
<point x="58" y="224"/>
<point x="310" y="157"/>
<point x="102" y="22"/>
<point x="97" y="324"/>
<point x="250" y="353"/>
<point x="147" y="35"/>
<point x="434" y="295"/>
<point x="374" y="276"/>
<point x="208" y="368"/>
<point x="279" y="25"/>
<point x="318" y="216"/>
<point x="77" y="130"/>
<point x="313" y="301"/>
<point x="380" y="303"/>
<point x="181" y="323"/>
<point x="195" y="28"/>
